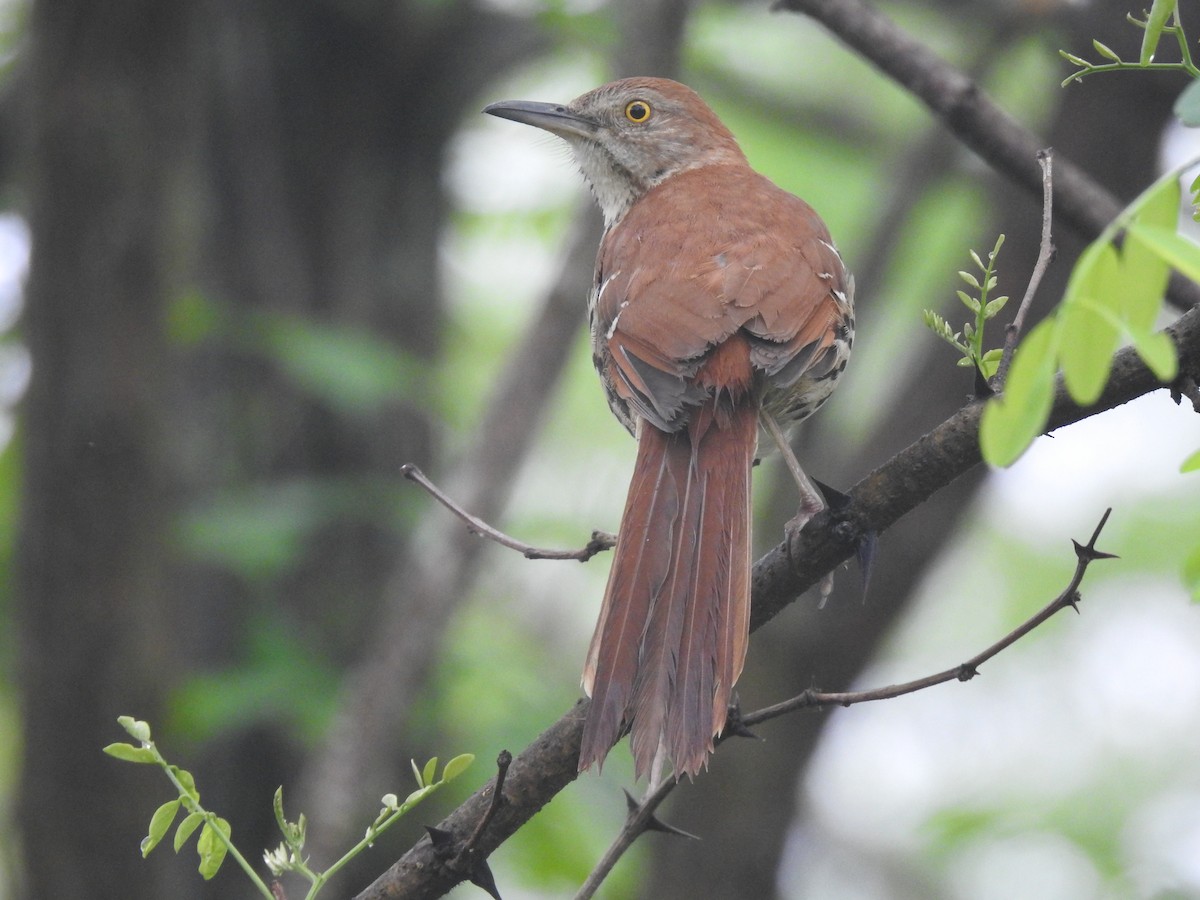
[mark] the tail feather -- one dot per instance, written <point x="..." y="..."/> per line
<point x="673" y="629"/>
<point x="651" y="509"/>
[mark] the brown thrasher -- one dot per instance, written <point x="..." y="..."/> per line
<point x="720" y="304"/>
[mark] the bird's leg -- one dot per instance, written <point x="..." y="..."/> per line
<point x="811" y="501"/>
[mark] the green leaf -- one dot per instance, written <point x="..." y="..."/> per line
<point x="457" y="766"/>
<point x="990" y="362"/>
<point x="1159" y="205"/>
<point x="190" y="823"/>
<point x="130" y="753"/>
<point x="1144" y="276"/>
<point x="1089" y="333"/>
<point x="429" y="775"/>
<point x="188" y="781"/>
<point x="1191" y="464"/>
<point x="1105" y="51"/>
<point x="1157" y="351"/>
<point x="417" y="773"/>
<point x="1088" y="340"/>
<point x="1191" y="574"/>
<point x="1181" y="253"/>
<point x="138" y="730"/>
<point x="211" y="848"/>
<point x="1011" y="421"/>
<point x="993" y="307"/>
<point x="277" y="806"/>
<point x="1187" y="105"/>
<point x="1156" y="21"/>
<point x="159" y="823"/>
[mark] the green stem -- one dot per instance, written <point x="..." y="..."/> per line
<point x="1184" y="52"/>
<point x="372" y="833"/>
<point x="210" y="820"/>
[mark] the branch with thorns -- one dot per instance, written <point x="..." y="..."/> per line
<point x="641" y="817"/>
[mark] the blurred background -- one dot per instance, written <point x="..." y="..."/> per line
<point x="257" y="254"/>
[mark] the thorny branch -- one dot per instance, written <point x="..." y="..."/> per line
<point x="1085" y="555"/>
<point x="641" y="817"/>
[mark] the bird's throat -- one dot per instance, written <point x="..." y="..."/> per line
<point x="615" y="188"/>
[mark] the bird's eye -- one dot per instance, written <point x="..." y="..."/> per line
<point x="637" y="111"/>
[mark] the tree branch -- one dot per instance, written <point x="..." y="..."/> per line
<point x="973" y="117"/>
<point x="876" y="502"/>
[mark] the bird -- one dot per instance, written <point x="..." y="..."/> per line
<point x="720" y="311"/>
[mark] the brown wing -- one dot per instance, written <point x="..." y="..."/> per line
<point x="689" y="279"/>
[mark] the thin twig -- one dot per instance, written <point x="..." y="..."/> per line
<point x="503" y="761"/>
<point x="1084" y="556"/>
<point x="641" y="819"/>
<point x="1045" y="256"/>
<point x="601" y="540"/>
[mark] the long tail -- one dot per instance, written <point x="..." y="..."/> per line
<point x="673" y="629"/>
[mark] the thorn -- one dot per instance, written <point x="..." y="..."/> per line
<point x="653" y="823"/>
<point x="442" y="840"/>
<point x="1073" y="601"/>
<point x="481" y="876"/>
<point x="735" y="727"/>
<point x="982" y="389"/>
<point x="966" y="672"/>
<point x="1185" y="386"/>
<point x="447" y="849"/>
<point x="868" y="544"/>
<point x="1090" y="554"/>
<point x="834" y="499"/>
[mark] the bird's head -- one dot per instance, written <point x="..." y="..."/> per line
<point x="631" y="135"/>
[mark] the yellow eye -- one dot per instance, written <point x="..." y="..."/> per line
<point x="637" y="111"/>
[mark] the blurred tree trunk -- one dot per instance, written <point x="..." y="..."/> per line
<point x="105" y="146"/>
<point x="273" y="158"/>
